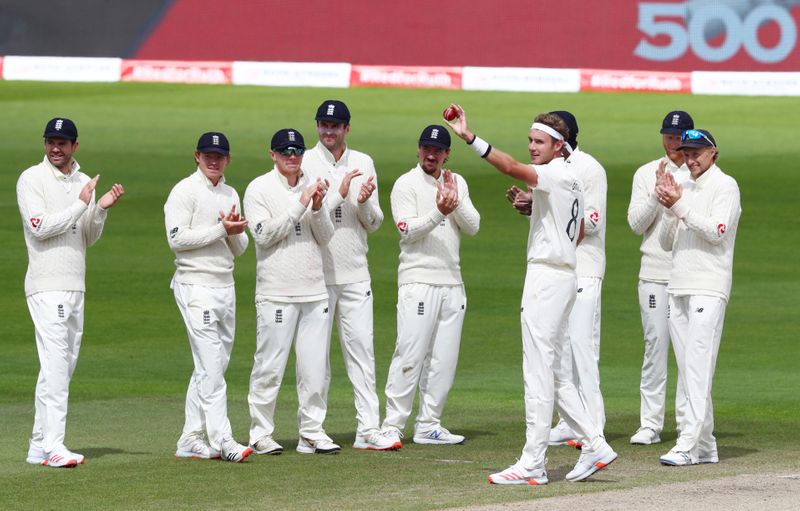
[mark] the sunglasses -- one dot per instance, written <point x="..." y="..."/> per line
<point x="695" y="135"/>
<point x="287" y="151"/>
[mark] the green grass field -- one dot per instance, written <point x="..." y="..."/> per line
<point x="126" y="404"/>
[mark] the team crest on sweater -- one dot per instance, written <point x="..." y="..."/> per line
<point x="721" y="228"/>
<point x="402" y="226"/>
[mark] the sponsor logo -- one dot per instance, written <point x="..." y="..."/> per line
<point x="325" y="310"/>
<point x="36" y="222"/>
<point x="402" y="226"/>
<point x="580" y="290"/>
<point x="435" y="434"/>
<point x="721" y="228"/>
<point x="699" y="310"/>
<point x="407" y="76"/>
<point x="173" y="232"/>
<point x="594" y="217"/>
<point x="258" y="228"/>
<point x="369" y="293"/>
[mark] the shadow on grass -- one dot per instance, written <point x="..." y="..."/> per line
<point x="726" y="452"/>
<point x="99" y="452"/>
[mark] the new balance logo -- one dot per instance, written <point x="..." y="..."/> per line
<point x="652" y="302"/>
<point x="580" y="290"/>
<point x="369" y="293"/>
<point x="421" y="309"/>
<point x="325" y="310"/>
<point x="435" y="434"/>
<point x="297" y="231"/>
<point x="60" y="311"/>
<point x="699" y="310"/>
<point x="337" y="214"/>
<point x="258" y="228"/>
<point x="206" y="317"/>
<point x="173" y="232"/>
<point x="330" y="109"/>
<point x="215" y="139"/>
<point x="279" y="316"/>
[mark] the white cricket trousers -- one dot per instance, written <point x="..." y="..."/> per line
<point x="351" y="305"/>
<point x="695" y="324"/>
<point x="547" y="300"/>
<point x="210" y="317"/>
<point x="654" y="308"/>
<point x="277" y="325"/>
<point x="429" y="322"/>
<point x="582" y="361"/>
<point x="58" y="323"/>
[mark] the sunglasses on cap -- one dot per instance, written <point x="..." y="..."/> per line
<point x="287" y="151"/>
<point x="695" y="135"/>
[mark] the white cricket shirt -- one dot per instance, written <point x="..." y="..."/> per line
<point x="288" y="237"/>
<point x="203" y="250"/>
<point x="345" y="255"/>
<point x="645" y="218"/>
<point x="556" y="215"/>
<point x="591" y="253"/>
<point x="429" y="240"/>
<point x="57" y="226"/>
<point x="701" y="231"/>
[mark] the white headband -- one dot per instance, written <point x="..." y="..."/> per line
<point x="553" y="133"/>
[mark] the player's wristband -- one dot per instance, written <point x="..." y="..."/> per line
<point x="480" y="146"/>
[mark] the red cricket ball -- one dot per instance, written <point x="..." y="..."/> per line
<point x="449" y="113"/>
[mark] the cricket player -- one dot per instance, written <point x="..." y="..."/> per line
<point x="60" y="219"/>
<point x="355" y="212"/>
<point x="645" y="218"/>
<point x="289" y="225"/>
<point x="431" y="208"/>
<point x="206" y="232"/>
<point x="582" y="360"/>
<point x="700" y="228"/>
<point x="557" y="226"/>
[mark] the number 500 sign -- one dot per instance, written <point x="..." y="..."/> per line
<point x="700" y="19"/>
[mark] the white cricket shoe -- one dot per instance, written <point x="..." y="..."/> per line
<point x="518" y="474"/>
<point x="591" y="461"/>
<point x="375" y="441"/>
<point x="233" y="451"/>
<point x="678" y="458"/>
<point x="267" y="446"/>
<point x="36" y="455"/>
<point x="645" y="436"/>
<point x="194" y="446"/>
<point x="709" y="455"/>
<point x="392" y="434"/>
<point x="562" y="434"/>
<point x="438" y="436"/>
<point x="61" y="458"/>
<point x="324" y="446"/>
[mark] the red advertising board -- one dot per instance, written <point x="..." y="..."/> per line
<point x="635" y="81"/>
<point x="666" y="35"/>
<point x="406" y="77"/>
<point x="176" y="71"/>
<point x="1" y="68"/>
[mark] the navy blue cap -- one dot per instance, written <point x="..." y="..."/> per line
<point x="213" y="142"/>
<point x="287" y="137"/>
<point x="61" y="127"/>
<point x="572" y="125"/>
<point x="697" y="139"/>
<point x="333" y="110"/>
<point x="435" y="135"/>
<point x="676" y="122"/>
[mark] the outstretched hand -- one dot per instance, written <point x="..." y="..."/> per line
<point x="522" y="201"/>
<point x="459" y="124"/>
<point x="86" y="192"/>
<point x="367" y="187"/>
<point x="668" y="191"/>
<point x="344" y="187"/>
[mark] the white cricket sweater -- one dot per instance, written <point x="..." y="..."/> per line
<point x="288" y="237"/>
<point x="57" y="226"/>
<point x="556" y="213"/>
<point x="701" y="231"/>
<point x="645" y="217"/>
<point x="203" y="250"/>
<point x="345" y="255"/>
<point x="429" y="240"/>
<point x="591" y="253"/>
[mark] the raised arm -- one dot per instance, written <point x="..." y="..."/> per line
<point x="46" y="225"/>
<point x="502" y="161"/>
